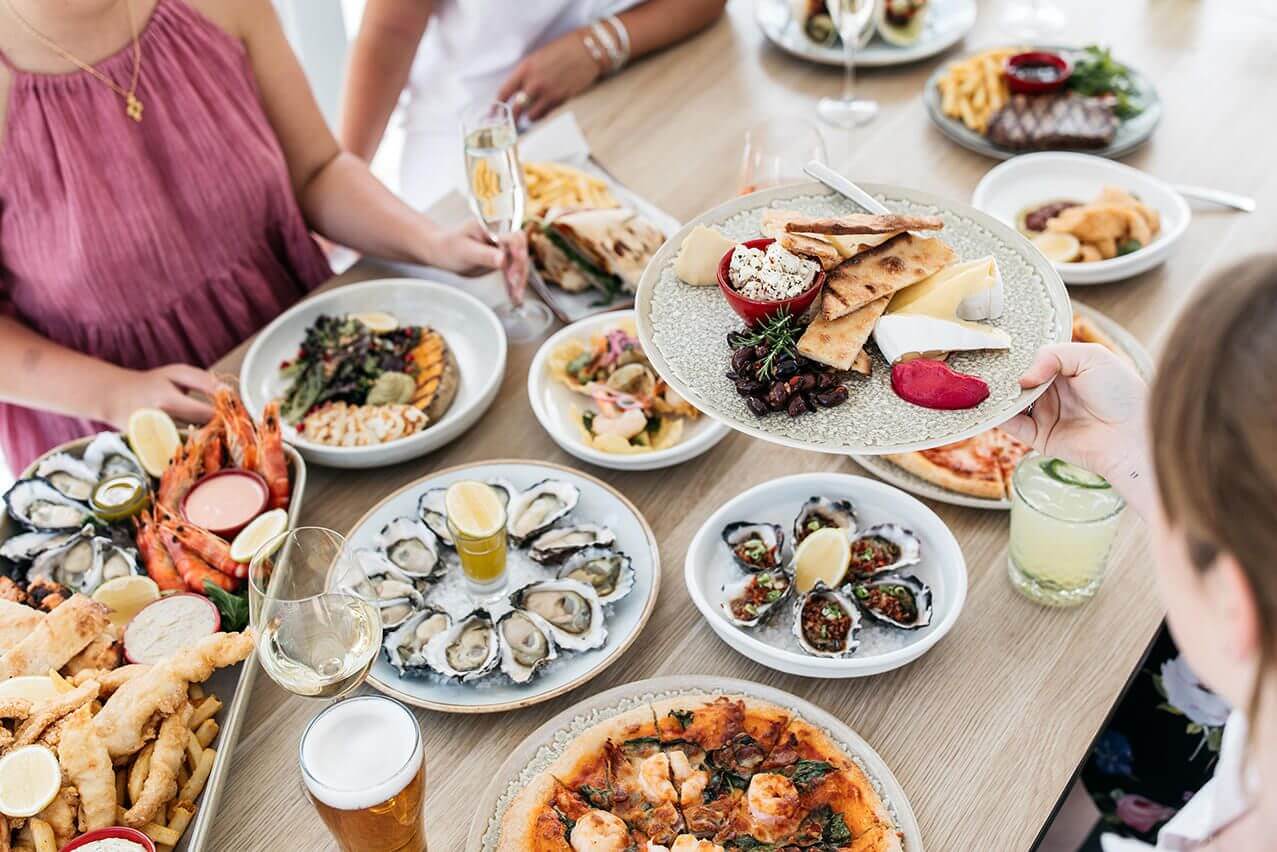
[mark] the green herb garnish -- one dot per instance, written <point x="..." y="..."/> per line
<point x="1098" y="73"/>
<point x="808" y="772"/>
<point x="780" y="333"/>
<point x="233" y="608"/>
<point x="683" y="717"/>
<point x="836" y="831"/>
<point x="1128" y="246"/>
<point x="598" y="797"/>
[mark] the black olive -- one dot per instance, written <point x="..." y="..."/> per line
<point x="750" y="387"/>
<point x="797" y="406"/>
<point x="825" y="381"/>
<point x="761" y="350"/>
<point x="786" y="367"/>
<point x="741" y="359"/>
<point x="833" y="396"/>
<point x="778" y="395"/>
<point x="756" y="405"/>
<point x="806" y="382"/>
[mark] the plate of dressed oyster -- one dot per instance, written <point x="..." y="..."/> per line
<point x="582" y="574"/>
<point x="762" y="574"/>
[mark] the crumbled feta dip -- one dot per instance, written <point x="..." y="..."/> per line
<point x="771" y="275"/>
<point x="112" y="844"/>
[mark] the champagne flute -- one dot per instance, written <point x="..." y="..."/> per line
<point x="1033" y="20"/>
<point x="313" y="607"/>
<point x="494" y="185"/>
<point x="851" y="18"/>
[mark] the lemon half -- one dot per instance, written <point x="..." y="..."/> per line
<point x="378" y="322"/>
<point x="154" y="439"/>
<point x="34" y="688"/>
<point x="29" y="779"/>
<point x="126" y="596"/>
<point x="822" y="557"/>
<point x="260" y="530"/>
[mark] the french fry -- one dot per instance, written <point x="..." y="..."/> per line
<point x="199" y="777"/>
<point x="193" y="750"/>
<point x="42" y="834"/>
<point x="206" y="709"/>
<point x="195" y="692"/>
<point x="161" y="834"/>
<point x="179" y="819"/>
<point x="207" y="732"/>
<point x="138" y="772"/>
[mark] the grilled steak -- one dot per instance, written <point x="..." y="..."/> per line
<point x="1037" y="122"/>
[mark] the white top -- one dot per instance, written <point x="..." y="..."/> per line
<point x="469" y="49"/>
<point x="1224" y="798"/>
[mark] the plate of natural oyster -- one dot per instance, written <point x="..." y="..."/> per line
<point x="581" y="576"/>
<point x="827" y="575"/>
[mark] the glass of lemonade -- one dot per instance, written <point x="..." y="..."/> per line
<point x="310" y="602"/>
<point x="364" y="768"/>
<point x="1063" y="523"/>
<point x="477" y="521"/>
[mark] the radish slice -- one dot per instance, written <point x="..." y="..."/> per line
<point x="165" y="627"/>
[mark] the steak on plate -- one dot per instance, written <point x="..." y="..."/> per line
<point x="1037" y="122"/>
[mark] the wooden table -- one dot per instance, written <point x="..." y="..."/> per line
<point x="986" y="731"/>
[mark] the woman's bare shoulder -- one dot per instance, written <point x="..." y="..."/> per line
<point x="233" y="16"/>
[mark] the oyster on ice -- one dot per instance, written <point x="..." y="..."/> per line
<point x="749" y="601"/>
<point x="84" y="563"/>
<point x="28" y="545"/>
<point x="555" y="545"/>
<point x="540" y="507"/>
<point x="467" y="650"/>
<point x="395" y="597"/>
<point x="411" y="547"/>
<point x="881" y="549"/>
<point x="820" y="513"/>
<point x="37" y="504"/>
<point x="608" y="571"/>
<point x="902" y="601"/>
<point x="506" y="492"/>
<point x="69" y="475"/>
<point x="755" y="547"/>
<point x="108" y="455"/>
<point x="405" y="646"/>
<point x="434" y="514"/>
<point x="827" y="623"/>
<point x="571" y="608"/>
<point x="527" y="644"/>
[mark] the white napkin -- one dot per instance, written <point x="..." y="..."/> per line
<point x="559" y="138"/>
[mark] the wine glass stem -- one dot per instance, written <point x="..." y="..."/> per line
<point x="513" y="293"/>
<point x="848" y="69"/>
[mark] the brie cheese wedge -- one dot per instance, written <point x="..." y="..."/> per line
<point x="903" y="337"/>
<point x="964" y="291"/>
<point x="699" y="256"/>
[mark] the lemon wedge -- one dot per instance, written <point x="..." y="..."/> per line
<point x="29" y="779"/>
<point x="260" y="530"/>
<point x="378" y="322"/>
<point x="126" y="596"/>
<point x="822" y="557"/>
<point x="474" y="509"/>
<point x="1058" y="247"/>
<point x="34" y="688"/>
<point x="154" y="439"/>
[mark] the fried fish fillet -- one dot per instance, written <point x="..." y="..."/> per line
<point x="881" y="271"/>
<point x="56" y="638"/>
<point x="863" y="223"/>
<point x="166" y="759"/>
<point x="46" y="713"/>
<point x="162" y="689"/>
<point x="16" y="622"/>
<point x="87" y="765"/>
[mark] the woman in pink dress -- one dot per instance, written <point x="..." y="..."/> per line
<point x="162" y="165"/>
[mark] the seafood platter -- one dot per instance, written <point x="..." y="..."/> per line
<point x="376" y="373"/>
<point x="899" y="31"/>
<point x="827" y="575"/>
<point x="595" y="392"/>
<point x="794" y="316"/>
<point x="123" y="623"/>
<point x="1005" y="101"/>
<point x="582" y="575"/>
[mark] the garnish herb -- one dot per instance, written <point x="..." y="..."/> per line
<point x="780" y="334"/>
<point x="1098" y="73"/>
<point x="808" y="772"/>
<point x="568" y="823"/>
<point x="233" y="608"/>
<point x="596" y="796"/>
<point x="836" y="831"/>
<point x="1128" y="246"/>
<point x="639" y="743"/>
<point x="750" y="843"/>
<point x="683" y="717"/>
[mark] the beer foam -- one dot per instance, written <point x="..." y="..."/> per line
<point x="360" y="752"/>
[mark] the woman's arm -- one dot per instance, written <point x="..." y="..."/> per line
<point x="564" y="68"/>
<point x="45" y="375"/>
<point x="380" y="61"/>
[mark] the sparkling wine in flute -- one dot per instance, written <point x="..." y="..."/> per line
<point x="851" y="18"/>
<point x="496" y="178"/>
<point x="321" y="647"/>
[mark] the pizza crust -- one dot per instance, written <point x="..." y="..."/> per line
<point x="950" y="480"/>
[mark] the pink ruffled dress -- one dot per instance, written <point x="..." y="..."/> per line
<point x="145" y="244"/>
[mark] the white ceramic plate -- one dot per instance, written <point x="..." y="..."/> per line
<point x="1033" y="179"/>
<point x="599" y="504"/>
<point x="684" y="329"/>
<point x="544" y="745"/>
<point x="709" y="567"/>
<point x="947" y="22"/>
<point x="471" y="329"/>
<point x="1131" y="133"/>
<point x="901" y="478"/>
<point x="551" y="402"/>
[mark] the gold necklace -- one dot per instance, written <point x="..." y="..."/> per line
<point x="132" y="105"/>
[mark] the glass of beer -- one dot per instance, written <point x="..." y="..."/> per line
<point x="365" y="772"/>
<point x="477" y="521"/>
<point x="314" y="610"/>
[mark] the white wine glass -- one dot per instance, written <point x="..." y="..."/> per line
<point x="313" y="607"/>
<point x="494" y="185"/>
<point x="851" y="19"/>
<point x="1033" y="20"/>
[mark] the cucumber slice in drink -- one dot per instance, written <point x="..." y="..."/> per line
<point x="1071" y="474"/>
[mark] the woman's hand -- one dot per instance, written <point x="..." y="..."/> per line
<point x="467" y="250"/>
<point x="550" y="75"/>
<point x="1093" y="412"/>
<point x="166" y="388"/>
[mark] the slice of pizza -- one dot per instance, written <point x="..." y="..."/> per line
<point x="970" y="466"/>
<point x="544" y="816"/>
<point x="809" y="793"/>
<point x="714" y="746"/>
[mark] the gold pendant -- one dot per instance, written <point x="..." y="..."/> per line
<point x="133" y="107"/>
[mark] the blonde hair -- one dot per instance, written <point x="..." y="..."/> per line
<point x="1213" y="410"/>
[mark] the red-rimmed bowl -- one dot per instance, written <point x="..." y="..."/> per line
<point x="752" y="311"/>
<point x="1021" y="82"/>
<point x="118" y="832"/>
<point x="239" y="509"/>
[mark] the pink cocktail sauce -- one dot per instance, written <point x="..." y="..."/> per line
<point x="224" y="502"/>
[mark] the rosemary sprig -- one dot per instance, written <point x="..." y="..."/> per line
<point x="780" y="334"/>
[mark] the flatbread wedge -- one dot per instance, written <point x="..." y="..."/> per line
<point x="863" y="223"/>
<point x="803" y="245"/>
<point x="840" y="342"/>
<point x="882" y="271"/>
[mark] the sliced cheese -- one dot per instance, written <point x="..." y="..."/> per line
<point x="903" y="337"/>
<point x="699" y="256"/>
<point x="850" y="246"/>
<point x="963" y="291"/>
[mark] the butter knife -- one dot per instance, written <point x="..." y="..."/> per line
<point x="841" y="185"/>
